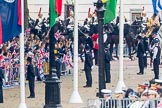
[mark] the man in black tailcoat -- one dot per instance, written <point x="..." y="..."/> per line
<point x="146" y="48"/>
<point x="140" y="55"/>
<point x="107" y="65"/>
<point x="58" y="65"/>
<point x="31" y="77"/>
<point x="87" y="66"/>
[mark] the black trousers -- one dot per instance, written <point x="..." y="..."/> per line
<point x="107" y="71"/>
<point x="1" y="94"/>
<point x="32" y="86"/>
<point x="141" y="64"/>
<point x="156" y="69"/>
<point x="81" y="54"/>
<point x="88" y="76"/>
<point x="145" y="61"/>
<point x="96" y="56"/>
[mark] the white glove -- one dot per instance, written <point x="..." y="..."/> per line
<point x="92" y="67"/>
<point x="146" y="52"/>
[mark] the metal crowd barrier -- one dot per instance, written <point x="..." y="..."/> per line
<point x="124" y="103"/>
<point x="65" y="69"/>
<point x="125" y="51"/>
<point x="11" y="76"/>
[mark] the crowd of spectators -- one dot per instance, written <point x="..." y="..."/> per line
<point x="146" y="95"/>
<point x="36" y="46"/>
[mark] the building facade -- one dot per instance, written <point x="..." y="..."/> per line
<point x="132" y="8"/>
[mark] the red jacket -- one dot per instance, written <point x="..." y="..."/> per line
<point x="95" y="41"/>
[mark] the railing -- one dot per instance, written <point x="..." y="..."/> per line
<point x="11" y="75"/>
<point x="124" y="103"/>
<point x="125" y="51"/>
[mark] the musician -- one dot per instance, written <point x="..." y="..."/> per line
<point x="39" y="21"/>
<point x="95" y="46"/>
<point x="70" y="24"/>
<point x="70" y="19"/>
<point x="144" y="17"/>
<point x="152" y="23"/>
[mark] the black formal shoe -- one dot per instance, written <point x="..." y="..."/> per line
<point x="31" y="97"/>
<point x="107" y="81"/>
<point x="153" y="79"/>
<point x="139" y="73"/>
<point x="86" y="86"/>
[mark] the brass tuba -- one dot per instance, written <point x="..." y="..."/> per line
<point x="151" y="24"/>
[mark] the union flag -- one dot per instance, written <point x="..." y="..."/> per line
<point x="10" y="19"/>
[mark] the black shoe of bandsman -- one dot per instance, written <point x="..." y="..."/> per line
<point x="31" y="97"/>
<point x="139" y="73"/>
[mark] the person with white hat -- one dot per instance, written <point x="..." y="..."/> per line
<point x="107" y="94"/>
<point x="158" y="83"/>
<point x="152" y="96"/>
<point x="119" y="99"/>
<point x="107" y="102"/>
<point x="119" y="94"/>
<point x="145" y="99"/>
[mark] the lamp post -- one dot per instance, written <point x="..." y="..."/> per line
<point x="100" y="16"/>
<point x="52" y="83"/>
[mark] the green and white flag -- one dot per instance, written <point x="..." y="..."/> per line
<point x="55" y="10"/>
<point x="110" y="12"/>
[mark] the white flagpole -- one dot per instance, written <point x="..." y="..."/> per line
<point x="22" y="73"/>
<point x="121" y="85"/>
<point x="75" y="97"/>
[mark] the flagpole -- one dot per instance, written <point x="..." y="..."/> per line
<point x="120" y="86"/>
<point x="22" y="73"/>
<point x="75" y="97"/>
